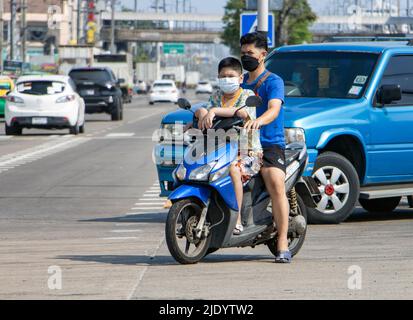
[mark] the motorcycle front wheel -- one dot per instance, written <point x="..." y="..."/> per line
<point x="182" y="220"/>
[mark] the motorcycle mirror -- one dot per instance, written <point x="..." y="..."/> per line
<point x="184" y="104"/>
<point x="253" y="102"/>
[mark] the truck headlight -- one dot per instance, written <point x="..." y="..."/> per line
<point x="176" y="131"/>
<point x="180" y="172"/>
<point x="202" y="173"/>
<point x="294" y="135"/>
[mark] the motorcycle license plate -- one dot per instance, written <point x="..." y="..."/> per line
<point x="88" y="92"/>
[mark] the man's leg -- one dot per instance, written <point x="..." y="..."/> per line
<point x="274" y="179"/>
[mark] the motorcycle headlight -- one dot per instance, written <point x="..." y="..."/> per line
<point x="180" y="172"/>
<point x="223" y="172"/>
<point x="176" y="131"/>
<point x="202" y="173"/>
<point x="294" y="135"/>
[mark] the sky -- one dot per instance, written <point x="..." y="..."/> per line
<point x="201" y="6"/>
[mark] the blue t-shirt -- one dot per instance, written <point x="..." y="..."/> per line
<point x="272" y="88"/>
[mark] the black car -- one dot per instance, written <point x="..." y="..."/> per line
<point x="100" y="89"/>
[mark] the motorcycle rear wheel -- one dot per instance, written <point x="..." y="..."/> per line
<point x="295" y="244"/>
<point x="184" y="215"/>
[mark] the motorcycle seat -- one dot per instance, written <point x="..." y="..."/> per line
<point x="291" y="155"/>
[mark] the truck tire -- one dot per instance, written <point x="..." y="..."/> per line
<point x="410" y="200"/>
<point x="339" y="186"/>
<point x="380" y="205"/>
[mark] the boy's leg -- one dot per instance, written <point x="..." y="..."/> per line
<point x="235" y="174"/>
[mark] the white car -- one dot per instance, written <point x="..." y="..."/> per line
<point x="49" y="102"/>
<point x="163" y="91"/>
<point x="204" y="87"/>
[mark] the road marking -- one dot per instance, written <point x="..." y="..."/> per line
<point x="120" y="135"/>
<point x="32" y="154"/>
<point x="120" y="238"/>
<point x="5" y="137"/>
<point x="126" y="231"/>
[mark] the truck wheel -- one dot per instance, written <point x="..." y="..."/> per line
<point x="13" y="131"/>
<point x="339" y="186"/>
<point x="380" y="205"/>
<point x="410" y="200"/>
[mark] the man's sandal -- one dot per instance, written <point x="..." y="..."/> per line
<point x="283" y="257"/>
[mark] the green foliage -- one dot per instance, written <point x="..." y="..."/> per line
<point x="291" y="23"/>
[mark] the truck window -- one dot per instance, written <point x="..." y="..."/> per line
<point x="399" y="71"/>
<point x="323" y="74"/>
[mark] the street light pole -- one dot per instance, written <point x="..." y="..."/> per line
<point x="1" y="35"/>
<point x="23" y="30"/>
<point x="112" y="28"/>
<point x="12" y="20"/>
<point x="262" y="25"/>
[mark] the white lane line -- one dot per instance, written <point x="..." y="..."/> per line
<point x="120" y="238"/>
<point x="5" y="137"/>
<point x="148" y="203"/>
<point x="148" y="195"/>
<point x="148" y="208"/>
<point x="126" y="231"/>
<point x="120" y="135"/>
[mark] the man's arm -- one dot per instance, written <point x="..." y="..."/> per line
<point x="274" y="108"/>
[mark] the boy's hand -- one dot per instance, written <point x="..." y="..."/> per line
<point x="253" y="125"/>
<point x="208" y="120"/>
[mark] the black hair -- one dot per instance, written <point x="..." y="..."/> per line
<point x="232" y="63"/>
<point x="258" y="39"/>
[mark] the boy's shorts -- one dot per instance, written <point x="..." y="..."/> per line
<point x="249" y="166"/>
<point x="274" y="157"/>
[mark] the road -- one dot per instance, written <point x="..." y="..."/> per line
<point x="87" y="208"/>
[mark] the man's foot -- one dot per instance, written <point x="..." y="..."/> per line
<point x="167" y="204"/>
<point x="238" y="229"/>
<point x="283" y="257"/>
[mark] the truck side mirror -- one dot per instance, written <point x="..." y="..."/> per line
<point x="120" y="81"/>
<point x="389" y="93"/>
<point x="184" y="104"/>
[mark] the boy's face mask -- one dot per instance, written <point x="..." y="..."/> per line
<point x="229" y="85"/>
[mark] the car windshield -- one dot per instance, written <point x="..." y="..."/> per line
<point x="340" y="75"/>
<point x="90" y="75"/>
<point x="40" y="87"/>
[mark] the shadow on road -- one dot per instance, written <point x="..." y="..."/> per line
<point x="153" y="217"/>
<point x="363" y="216"/>
<point x="163" y="260"/>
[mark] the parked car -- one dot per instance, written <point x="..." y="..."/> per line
<point x="100" y="89"/>
<point x="163" y="91"/>
<point x="6" y="85"/>
<point x="47" y="102"/>
<point x="352" y="105"/>
<point x="204" y="87"/>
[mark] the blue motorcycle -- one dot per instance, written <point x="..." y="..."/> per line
<point x="204" y="211"/>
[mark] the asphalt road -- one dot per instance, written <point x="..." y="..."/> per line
<point x="87" y="208"/>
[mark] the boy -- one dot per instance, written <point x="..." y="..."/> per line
<point x="224" y="103"/>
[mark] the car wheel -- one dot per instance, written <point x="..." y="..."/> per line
<point x="116" y="114"/>
<point x="75" y="130"/>
<point x="339" y="186"/>
<point x="151" y="103"/>
<point x="380" y="205"/>
<point x="410" y="200"/>
<point x="82" y="128"/>
<point x="13" y="131"/>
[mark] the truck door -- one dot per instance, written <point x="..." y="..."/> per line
<point x="391" y="142"/>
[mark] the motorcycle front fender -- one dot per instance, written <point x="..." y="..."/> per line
<point x="202" y="193"/>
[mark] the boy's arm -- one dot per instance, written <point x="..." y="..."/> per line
<point x="229" y="112"/>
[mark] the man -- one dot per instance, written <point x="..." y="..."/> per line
<point x="270" y="121"/>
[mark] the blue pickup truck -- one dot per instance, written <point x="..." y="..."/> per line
<point x="352" y="103"/>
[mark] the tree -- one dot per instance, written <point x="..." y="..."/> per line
<point x="291" y="23"/>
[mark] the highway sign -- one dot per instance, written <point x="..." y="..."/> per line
<point x="173" y="48"/>
<point x="249" y="24"/>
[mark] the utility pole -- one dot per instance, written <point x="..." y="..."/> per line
<point x="1" y="35"/>
<point x="23" y="30"/>
<point x="112" y="28"/>
<point x="78" y="21"/>
<point x="12" y="23"/>
<point x="262" y="25"/>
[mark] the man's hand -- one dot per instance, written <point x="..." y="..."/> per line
<point x="253" y="125"/>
